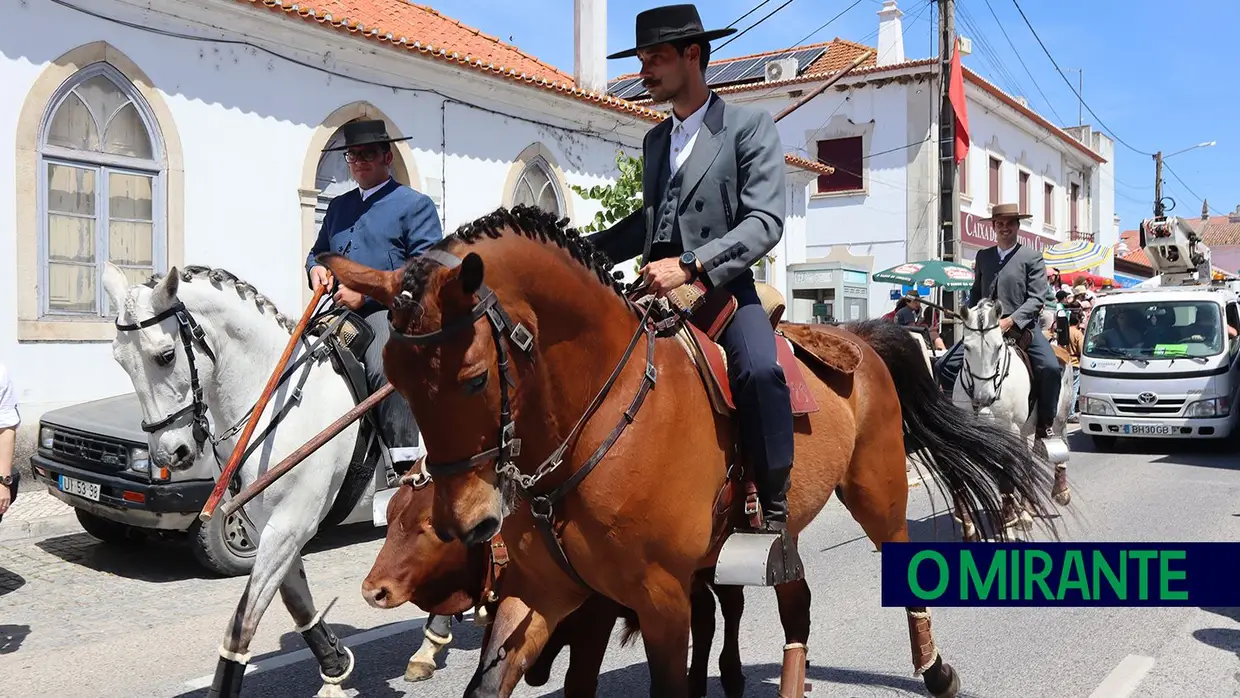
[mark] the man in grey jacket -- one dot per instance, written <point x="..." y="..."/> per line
<point x="1016" y="276"/>
<point x="713" y="190"/>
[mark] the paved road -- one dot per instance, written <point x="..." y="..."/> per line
<point x="77" y="618"/>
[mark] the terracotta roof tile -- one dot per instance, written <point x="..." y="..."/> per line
<point x="811" y="165"/>
<point x="422" y="30"/>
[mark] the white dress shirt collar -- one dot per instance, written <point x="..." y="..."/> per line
<point x="366" y="193"/>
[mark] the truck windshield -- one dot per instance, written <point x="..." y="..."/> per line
<point x="1154" y="330"/>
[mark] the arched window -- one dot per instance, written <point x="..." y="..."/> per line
<point x="332" y="177"/>
<point x="537" y="187"/>
<point x="101" y="192"/>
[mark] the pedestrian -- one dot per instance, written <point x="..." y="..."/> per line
<point x="1076" y="343"/>
<point x="10" y="419"/>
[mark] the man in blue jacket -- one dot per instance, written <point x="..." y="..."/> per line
<point x="381" y="224"/>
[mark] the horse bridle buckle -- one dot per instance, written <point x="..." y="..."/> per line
<point x="522" y="337"/>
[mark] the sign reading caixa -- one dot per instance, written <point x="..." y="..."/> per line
<point x="978" y="232"/>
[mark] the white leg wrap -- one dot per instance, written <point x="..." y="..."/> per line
<point x="922" y="669"/>
<point x="331" y="684"/>
<point x="242" y="659"/>
<point x="313" y="621"/>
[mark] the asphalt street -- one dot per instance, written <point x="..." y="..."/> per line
<point x="81" y="619"/>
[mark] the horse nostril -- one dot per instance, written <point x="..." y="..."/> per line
<point x="182" y="453"/>
<point x="485" y="530"/>
<point x="443" y="534"/>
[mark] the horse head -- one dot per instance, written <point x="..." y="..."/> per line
<point x="986" y="355"/>
<point x="477" y="321"/>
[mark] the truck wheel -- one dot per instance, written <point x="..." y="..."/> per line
<point x="224" y="545"/>
<point x="1104" y="443"/>
<point x="106" y="530"/>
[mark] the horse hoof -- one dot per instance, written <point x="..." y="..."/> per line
<point x="1062" y="497"/>
<point x="418" y="671"/>
<point x="941" y="680"/>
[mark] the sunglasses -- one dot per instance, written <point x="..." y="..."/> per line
<point x="366" y="155"/>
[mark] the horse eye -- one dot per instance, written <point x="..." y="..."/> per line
<point x="476" y="384"/>
<point x="165" y="358"/>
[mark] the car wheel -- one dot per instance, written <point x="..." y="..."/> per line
<point x="108" y="531"/>
<point x="225" y="545"/>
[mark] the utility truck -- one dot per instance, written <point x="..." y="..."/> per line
<point x="1160" y="359"/>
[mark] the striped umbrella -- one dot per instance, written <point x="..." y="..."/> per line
<point x="1075" y="255"/>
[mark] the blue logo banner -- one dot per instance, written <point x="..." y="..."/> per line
<point x="1061" y="574"/>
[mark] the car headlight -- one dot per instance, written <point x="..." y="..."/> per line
<point x="1214" y="407"/>
<point x="46" y="437"/>
<point x="139" y="460"/>
<point x="1092" y="405"/>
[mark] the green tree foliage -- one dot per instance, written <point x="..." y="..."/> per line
<point x="619" y="199"/>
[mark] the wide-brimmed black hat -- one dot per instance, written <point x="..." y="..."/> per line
<point x="661" y="25"/>
<point x="367" y="132"/>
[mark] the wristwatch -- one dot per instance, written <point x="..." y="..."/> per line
<point x="689" y="261"/>
<point x="6" y="480"/>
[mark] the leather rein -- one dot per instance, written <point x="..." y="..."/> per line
<point x="508" y="448"/>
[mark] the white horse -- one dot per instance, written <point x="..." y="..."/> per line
<point x="204" y="341"/>
<point x="995" y="383"/>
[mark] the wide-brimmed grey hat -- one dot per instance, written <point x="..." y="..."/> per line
<point x="661" y="25"/>
<point x="368" y="132"/>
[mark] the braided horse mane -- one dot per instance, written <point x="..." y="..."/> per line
<point x="527" y="221"/>
<point x="222" y="278"/>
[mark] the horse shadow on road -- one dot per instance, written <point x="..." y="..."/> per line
<point x="1227" y="639"/>
<point x="165" y="559"/>
<point x="378" y="670"/>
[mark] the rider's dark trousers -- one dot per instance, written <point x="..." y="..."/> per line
<point x="1045" y="368"/>
<point x="393" y="415"/>
<point x="761" y="394"/>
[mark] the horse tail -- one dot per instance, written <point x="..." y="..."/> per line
<point x="969" y="455"/>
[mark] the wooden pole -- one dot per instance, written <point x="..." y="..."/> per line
<point x="823" y="87"/>
<point x="264" y="481"/>
<point x="235" y="459"/>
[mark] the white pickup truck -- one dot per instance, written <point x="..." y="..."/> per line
<point x="1163" y="361"/>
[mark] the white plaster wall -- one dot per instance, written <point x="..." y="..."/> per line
<point x="245" y="120"/>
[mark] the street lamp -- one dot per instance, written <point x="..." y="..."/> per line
<point x="1158" y="163"/>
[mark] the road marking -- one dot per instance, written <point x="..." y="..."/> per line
<point x="1123" y="679"/>
<point x="352" y="641"/>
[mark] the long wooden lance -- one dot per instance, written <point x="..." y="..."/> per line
<point x="823" y="87"/>
<point x="235" y="459"/>
<point x="264" y="481"/>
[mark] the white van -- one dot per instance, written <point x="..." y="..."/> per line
<point x="1161" y="363"/>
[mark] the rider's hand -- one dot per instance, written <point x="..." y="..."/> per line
<point x="349" y="298"/>
<point x="664" y="275"/>
<point x="320" y="276"/>
<point x="1006" y="324"/>
<point x="4" y="498"/>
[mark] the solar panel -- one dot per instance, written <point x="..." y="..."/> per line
<point x="619" y="87"/>
<point x="733" y="71"/>
<point x="633" y="91"/>
<point x="804" y="58"/>
<point x="713" y="70"/>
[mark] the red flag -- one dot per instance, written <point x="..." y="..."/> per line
<point x="955" y="93"/>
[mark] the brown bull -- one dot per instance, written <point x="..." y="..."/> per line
<point x="415" y="566"/>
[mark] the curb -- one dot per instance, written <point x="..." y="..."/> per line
<point x="43" y="527"/>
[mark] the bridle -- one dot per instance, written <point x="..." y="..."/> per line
<point x="508" y="444"/>
<point x="969" y="379"/>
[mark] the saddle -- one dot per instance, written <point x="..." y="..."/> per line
<point x="709" y="314"/>
<point x="1021" y="342"/>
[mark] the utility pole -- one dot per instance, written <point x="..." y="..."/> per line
<point x="949" y="197"/>
<point x="1158" y="204"/>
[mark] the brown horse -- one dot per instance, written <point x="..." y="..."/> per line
<point x="446" y="578"/>
<point x="524" y="388"/>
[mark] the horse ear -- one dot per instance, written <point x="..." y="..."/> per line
<point x="379" y="285"/>
<point x="471" y="273"/>
<point x="116" y="285"/>
<point x="166" y="290"/>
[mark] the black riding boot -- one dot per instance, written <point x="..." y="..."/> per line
<point x="773" y="495"/>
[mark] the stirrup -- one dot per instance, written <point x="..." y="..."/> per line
<point x="759" y="558"/>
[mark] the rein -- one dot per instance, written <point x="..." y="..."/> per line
<point x="542" y="506"/>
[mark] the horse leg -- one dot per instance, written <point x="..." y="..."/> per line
<point x="702" y="619"/>
<point x="731" y="673"/>
<point x="335" y="660"/>
<point x="516" y="637"/>
<point x="666" y="617"/>
<point x="436" y="635"/>
<point x="794" y="600"/>
<point x="276" y="554"/>
<point x="884" y="521"/>
<point x="592" y="624"/>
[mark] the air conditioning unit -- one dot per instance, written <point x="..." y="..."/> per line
<point x="782" y="69"/>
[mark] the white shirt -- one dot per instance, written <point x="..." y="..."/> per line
<point x="9" y="417"/>
<point x="1003" y="254"/>
<point x="684" y="135"/>
<point x="367" y="192"/>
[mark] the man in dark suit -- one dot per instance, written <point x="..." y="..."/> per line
<point x="1016" y="276"/>
<point x="713" y="189"/>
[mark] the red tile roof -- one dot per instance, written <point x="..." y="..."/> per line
<point x="840" y="52"/>
<point x="422" y="30"/>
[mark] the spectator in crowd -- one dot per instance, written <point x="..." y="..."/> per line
<point x="1076" y="343"/>
<point x="10" y="419"/>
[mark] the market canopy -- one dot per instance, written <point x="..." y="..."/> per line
<point x="1075" y="255"/>
<point x="930" y="273"/>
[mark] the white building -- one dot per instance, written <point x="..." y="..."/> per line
<point x="184" y="132"/>
<point x="878" y="126"/>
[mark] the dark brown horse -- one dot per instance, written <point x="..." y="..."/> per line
<point x="445" y="578"/>
<point x="552" y="415"/>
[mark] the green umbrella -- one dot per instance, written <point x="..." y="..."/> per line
<point x="931" y="273"/>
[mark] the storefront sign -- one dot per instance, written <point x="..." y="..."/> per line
<point x="814" y="278"/>
<point x="978" y="232"/>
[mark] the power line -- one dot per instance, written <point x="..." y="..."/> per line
<point x="1022" y="63"/>
<point x="1188" y="189"/>
<point x="827" y="23"/>
<point x="742" y="32"/>
<point x="753" y="10"/>
<point x="1069" y="84"/>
